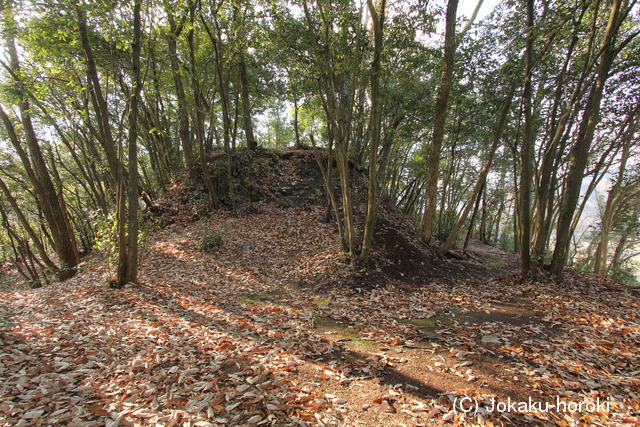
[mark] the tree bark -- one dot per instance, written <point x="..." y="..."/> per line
<point x="27" y="227"/>
<point x="616" y="260"/>
<point x="50" y="202"/>
<point x="613" y="200"/>
<point x="246" y="105"/>
<point x="224" y="98"/>
<point x="338" y="94"/>
<point x="453" y="236"/>
<point x="131" y="275"/>
<point x="473" y="217"/>
<point x="433" y="162"/>
<point x="197" y="95"/>
<point x="377" y="16"/>
<point x="526" y="176"/>
<point x="183" y="115"/>
<point x="580" y="150"/>
<point x="548" y="169"/>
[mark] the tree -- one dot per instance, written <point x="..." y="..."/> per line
<point x="338" y="63"/>
<point x="176" y="26"/>
<point x="50" y="201"/>
<point x="433" y="162"/>
<point x="377" y="18"/>
<point x="130" y="256"/>
<point x="613" y="198"/>
<point x="526" y="176"/>
<point x="127" y="223"/>
<point x="580" y="149"/>
<point x="481" y="181"/>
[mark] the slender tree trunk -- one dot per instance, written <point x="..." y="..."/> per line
<point x="473" y="216"/>
<point x="580" y="150"/>
<point x="387" y="143"/>
<point x="224" y="98"/>
<point x="50" y="202"/>
<point x="101" y="109"/>
<point x="433" y="162"/>
<point x="613" y="200"/>
<point x="183" y="115"/>
<point x="27" y="227"/>
<point x="338" y="96"/>
<point x="246" y="106"/>
<point x="483" y="217"/>
<point x="453" y="236"/>
<point x="326" y="174"/>
<point x="296" y="124"/>
<point x="526" y="176"/>
<point x="22" y="253"/>
<point x="131" y="275"/>
<point x="548" y="170"/>
<point x="377" y="16"/>
<point x="616" y="260"/>
<point x="197" y="94"/>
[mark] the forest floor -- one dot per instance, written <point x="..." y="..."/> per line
<point x="274" y="329"/>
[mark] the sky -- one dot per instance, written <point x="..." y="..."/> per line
<point x="465" y="7"/>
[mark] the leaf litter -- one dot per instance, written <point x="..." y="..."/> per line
<point x="274" y="329"/>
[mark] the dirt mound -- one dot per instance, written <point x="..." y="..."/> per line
<point x="283" y="177"/>
<point x="286" y="178"/>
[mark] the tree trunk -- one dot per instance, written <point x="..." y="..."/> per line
<point x="27" y="227"/>
<point x="616" y="260"/>
<point x="613" y="199"/>
<point x="296" y="124"/>
<point x="50" y="202"/>
<point x="246" y="106"/>
<point x="548" y="169"/>
<point x="453" y="236"/>
<point x="326" y="174"/>
<point x="433" y="162"/>
<point x="580" y="150"/>
<point x="197" y="95"/>
<point x="338" y="94"/>
<point x="131" y="275"/>
<point x="377" y="16"/>
<point x="224" y="98"/>
<point x="526" y="175"/>
<point x="183" y="115"/>
<point x="473" y="217"/>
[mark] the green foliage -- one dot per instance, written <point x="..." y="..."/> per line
<point x="106" y="239"/>
<point x="149" y="222"/>
<point x="624" y="275"/>
<point x="211" y="240"/>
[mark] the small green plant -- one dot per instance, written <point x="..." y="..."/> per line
<point x="106" y="235"/>
<point x="211" y="240"/>
<point x="493" y="261"/>
<point x="107" y="238"/>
